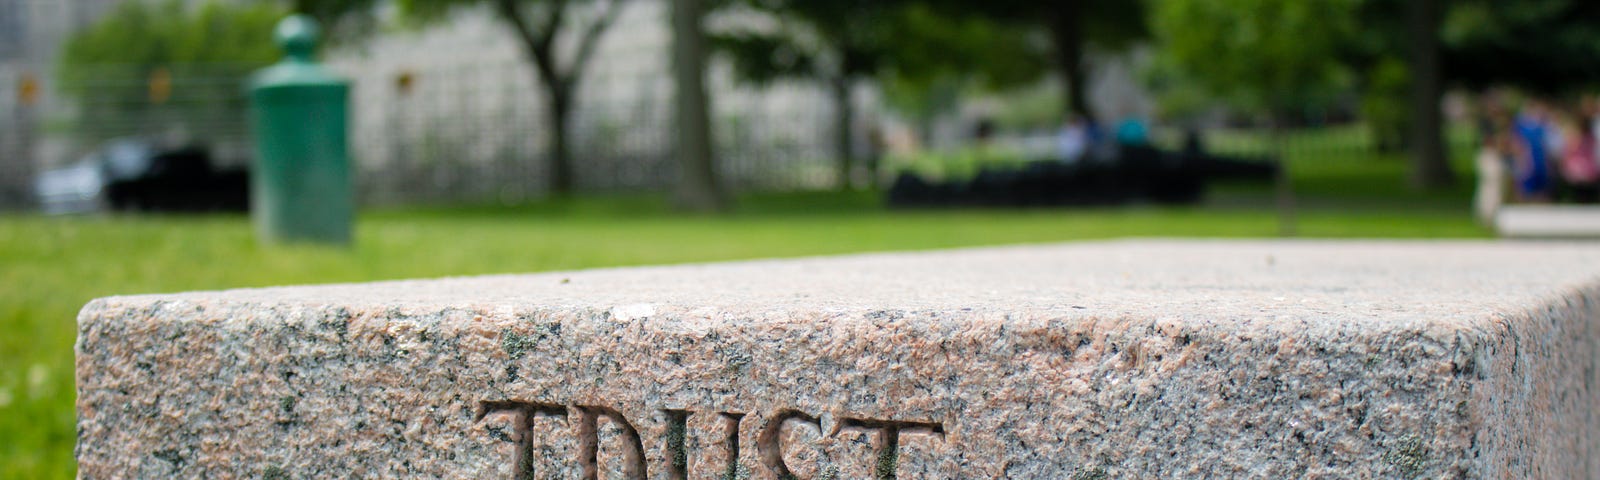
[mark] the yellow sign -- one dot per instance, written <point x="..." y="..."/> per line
<point x="404" y="81"/>
<point x="160" y="86"/>
<point x="27" y="89"/>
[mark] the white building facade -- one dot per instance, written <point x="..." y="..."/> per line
<point x="31" y="35"/>
<point x="456" y="107"/>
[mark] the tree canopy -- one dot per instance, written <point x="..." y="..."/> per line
<point x="938" y="57"/>
<point x="1274" y="52"/>
<point x="1547" y="46"/>
<point x="168" y="33"/>
<point x="838" y="42"/>
<point x="923" y="54"/>
<point x="144" y="55"/>
<point x="1070" y="28"/>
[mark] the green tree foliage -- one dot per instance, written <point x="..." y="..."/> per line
<point x="1386" y="86"/>
<point x="1399" y="55"/>
<point x="1394" y="61"/>
<point x="839" y="42"/>
<point x="1396" y="56"/>
<point x="1070" y="27"/>
<point x="1545" y="46"/>
<point x="1178" y="97"/>
<point x="925" y="55"/>
<point x="940" y="56"/>
<point x="341" y="20"/>
<point x="1278" y="54"/>
<point x="148" y="66"/>
<point x="1378" y="58"/>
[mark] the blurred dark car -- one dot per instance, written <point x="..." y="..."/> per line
<point x="1128" y="173"/>
<point x="143" y="175"/>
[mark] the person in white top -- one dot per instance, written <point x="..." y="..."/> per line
<point x="1493" y="162"/>
<point x="1072" y="142"/>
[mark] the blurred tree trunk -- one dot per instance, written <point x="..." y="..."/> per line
<point x="558" y="111"/>
<point x="1283" y="186"/>
<point x="698" y="189"/>
<point x="1429" y="166"/>
<point x="844" y="112"/>
<point x="1066" y="33"/>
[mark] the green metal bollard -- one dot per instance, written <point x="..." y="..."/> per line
<point x="300" y="189"/>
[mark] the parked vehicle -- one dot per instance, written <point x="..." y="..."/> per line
<point x="1125" y="174"/>
<point x="142" y="175"/>
<point x="77" y="188"/>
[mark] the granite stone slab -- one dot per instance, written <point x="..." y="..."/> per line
<point x="1138" y="359"/>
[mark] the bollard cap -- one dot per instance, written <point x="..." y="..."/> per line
<point x="297" y="35"/>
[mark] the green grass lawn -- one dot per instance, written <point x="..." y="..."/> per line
<point x="49" y="267"/>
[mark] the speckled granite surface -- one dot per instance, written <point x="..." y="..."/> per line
<point x="1146" y="359"/>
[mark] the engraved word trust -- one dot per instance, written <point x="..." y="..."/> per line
<point x="768" y="443"/>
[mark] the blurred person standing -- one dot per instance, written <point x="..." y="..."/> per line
<point x="1194" y="144"/>
<point x="1500" y="145"/>
<point x="1533" y="141"/>
<point x="1073" y="140"/>
<point x="1580" y="169"/>
<point x="1133" y="131"/>
<point x="877" y="145"/>
<point x="1591" y="113"/>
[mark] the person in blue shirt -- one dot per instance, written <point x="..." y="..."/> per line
<point x="1133" y="131"/>
<point x="1533" y="167"/>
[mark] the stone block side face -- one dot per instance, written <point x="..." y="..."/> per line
<point x="1539" y="375"/>
<point x="181" y="389"/>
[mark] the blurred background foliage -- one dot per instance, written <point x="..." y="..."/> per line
<point x="124" y="69"/>
<point x="1288" y="62"/>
